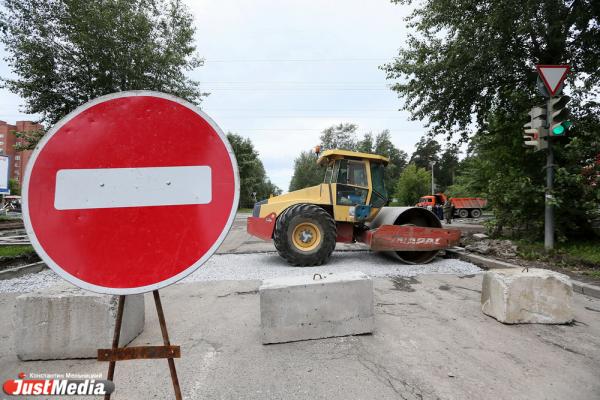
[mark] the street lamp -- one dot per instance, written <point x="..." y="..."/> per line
<point x="432" y="163"/>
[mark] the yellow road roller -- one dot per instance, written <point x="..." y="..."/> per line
<point x="348" y="207"/>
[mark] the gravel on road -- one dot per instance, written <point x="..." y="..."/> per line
<point x="270" y="265"/>
<point x="258" y="266"/>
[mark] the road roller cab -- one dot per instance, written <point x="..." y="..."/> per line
<point x="349" y="206"/>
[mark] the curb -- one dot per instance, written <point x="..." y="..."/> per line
<point x="22" y="270"/>
<point x="490" y="263"/>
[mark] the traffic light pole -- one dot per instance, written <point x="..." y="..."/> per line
<point x="549" y="212"/>
<point x="549" y="207"/>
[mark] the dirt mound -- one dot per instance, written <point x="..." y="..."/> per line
<point x="500" y="248"/>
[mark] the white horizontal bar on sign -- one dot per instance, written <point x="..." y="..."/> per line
<point x="80" y="189"/>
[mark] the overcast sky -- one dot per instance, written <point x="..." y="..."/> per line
<point x="280" y="72"/>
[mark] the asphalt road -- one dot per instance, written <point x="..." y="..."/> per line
<point x="431" y="342"/>
<point x="431" y="339"/>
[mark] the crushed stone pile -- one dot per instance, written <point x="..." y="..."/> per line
<point x="501" y="248"/>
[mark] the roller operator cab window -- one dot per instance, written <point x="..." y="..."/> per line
<point x="328" y="173"/>
<point x="352" y="173"/>
<point x="379" y="196"/>
<point x="351" y="182"/>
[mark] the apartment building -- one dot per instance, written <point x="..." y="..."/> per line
<point x="8" y="140"/>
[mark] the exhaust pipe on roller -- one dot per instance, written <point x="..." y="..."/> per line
<point x="408" y="216"/>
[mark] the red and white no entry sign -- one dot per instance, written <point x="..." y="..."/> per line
<point x="130" y="192"/>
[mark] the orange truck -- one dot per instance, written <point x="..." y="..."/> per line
<point x="464" y="207"/>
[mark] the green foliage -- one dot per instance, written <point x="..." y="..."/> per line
<point x="472" y="178"/>
<point x="429" y="150"/>
<point x="15" y="187"/>
<point x="341" y="136"/>
<point x="469" y="66"/>
<point x="66" y="52"/>
<point x="571" y="253"/>
<point x="413" y="183"/>
<point x="29" y="139"/>
<point x="254" y="184"/>
<point x="426" y="152"/>
<point x="366" y="144"/>
<point x="467" y="57"/>
<point x="383" y="146"/>
<point x="587" y="250"/>
<point x="306" y="171"/>
<point x="16" y="250"/>
<point x="446" y="168"/>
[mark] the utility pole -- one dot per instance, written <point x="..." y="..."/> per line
<point x="432" y="163"/>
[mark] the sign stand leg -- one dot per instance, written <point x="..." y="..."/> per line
<point x="116" y="353"/>
<point x="115" y="344"/>
<point x="165" y="335"/>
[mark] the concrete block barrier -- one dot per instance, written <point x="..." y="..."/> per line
<point x="66" y="322"/>
<point x="310" y="307"/>
<point x="513" y="296"/>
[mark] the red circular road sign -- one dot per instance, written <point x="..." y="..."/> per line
<point x="130" y="192"/>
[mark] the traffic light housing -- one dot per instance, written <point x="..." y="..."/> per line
<point x="535" y="132"/>
<point x="558" y="116"/>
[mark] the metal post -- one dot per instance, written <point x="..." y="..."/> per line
<point x="432" y="179"/>
<point x="167" y="342"/>
<point x="549" y="211"/>
<point x="115" y="344"/>
<point x="549" y="208"/>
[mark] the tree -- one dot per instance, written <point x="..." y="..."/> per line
<point x="413" y="183"/>
<point x="14" y="187"/>
<point x="66" y="52"/>
<point x="365" y="145"/>
<point x="468" y="69"/>
<point x="341" y="136"/>
<point x="306" y="171"/>
<point x="469" y="57"/>
<point x="384" y="146"/>
<point x="446" y="168"/>
<point x="426" y="151"/>
<point x="471" y="179"/>
<point x="254" y="184"/>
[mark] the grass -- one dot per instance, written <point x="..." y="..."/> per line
<point x="592" y="273"/>
<point x="588" y="251"/>
<point x="4" y="218"/>
<point x="15" y="250"/>
<point x="571" y="253"/>
<point x="245" y="210"/>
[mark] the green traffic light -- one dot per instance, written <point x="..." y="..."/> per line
<point x="558" y="130"/>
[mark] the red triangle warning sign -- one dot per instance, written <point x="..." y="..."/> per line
<point x="553" y="76"/>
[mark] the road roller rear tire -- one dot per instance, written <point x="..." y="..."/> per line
<point x="305" y="235"/>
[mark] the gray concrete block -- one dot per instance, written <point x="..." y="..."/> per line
<point x="589" y="290"/>
<point x="300" y="308"/>
<point x="577" y="287"/>
<point x="67" y="322"/>
<point x="513" y="296"/>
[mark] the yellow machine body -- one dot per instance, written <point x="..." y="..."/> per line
<point x="339" y="197"/>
